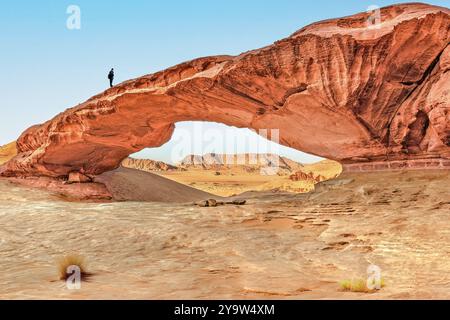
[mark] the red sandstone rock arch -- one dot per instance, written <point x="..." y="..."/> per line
<point x="336" y="89"/>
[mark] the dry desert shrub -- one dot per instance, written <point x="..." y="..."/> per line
<point x="67" y="261"/>
<point x="357" y="285"/>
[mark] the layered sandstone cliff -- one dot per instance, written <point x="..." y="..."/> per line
<point x="339" y="89"/>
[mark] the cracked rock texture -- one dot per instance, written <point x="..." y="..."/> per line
<point x="339" y="89"/>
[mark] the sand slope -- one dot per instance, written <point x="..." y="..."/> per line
<point x="7" y="152"/>
<point x="134" y="185"/>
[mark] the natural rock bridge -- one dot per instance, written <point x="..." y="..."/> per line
<point x="373" y="96"/>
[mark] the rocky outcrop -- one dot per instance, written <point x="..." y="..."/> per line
<point x="303" y="176"/>
<point x="340" y="89"/>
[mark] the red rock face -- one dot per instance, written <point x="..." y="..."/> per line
<point x="337" y="89"/>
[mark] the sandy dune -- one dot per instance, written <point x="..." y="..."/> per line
<point x="278" y="246"/>
<point x="7" y="152"/>
<point x="134" y="185"/>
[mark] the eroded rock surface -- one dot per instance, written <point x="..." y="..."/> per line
<point x="337" y="89"/>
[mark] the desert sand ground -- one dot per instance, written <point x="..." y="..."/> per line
<point x="278" y="246"/>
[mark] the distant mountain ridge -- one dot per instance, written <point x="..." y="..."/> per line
<point x="248" y="162"/>
<point x="217" y="162"/>
<point x="147" y="165"/>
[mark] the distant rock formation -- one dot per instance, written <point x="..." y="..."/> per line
<point x="247" y="162"/>
<point x="148" y="165"/>
<point x="341" y="89"/>
<point x="302" y="176"/>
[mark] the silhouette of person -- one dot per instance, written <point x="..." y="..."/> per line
<point x="111" y="77"/>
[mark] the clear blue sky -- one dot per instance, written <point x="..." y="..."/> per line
<point x="46" y="68"/>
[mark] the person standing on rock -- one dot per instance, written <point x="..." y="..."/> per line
<point x="111" y="77"/>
